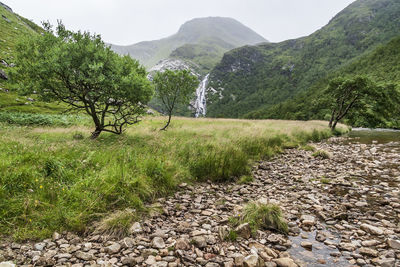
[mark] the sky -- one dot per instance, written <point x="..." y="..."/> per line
<point x="125" y="22"/>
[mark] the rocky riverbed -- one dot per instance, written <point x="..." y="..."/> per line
<point x="342" y="211"/>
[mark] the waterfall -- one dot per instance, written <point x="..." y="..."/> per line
<point x="200" y="104"/>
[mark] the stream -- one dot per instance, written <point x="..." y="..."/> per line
<point x="369" y="186"/>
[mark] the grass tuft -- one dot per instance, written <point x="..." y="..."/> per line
<point x="116" y="224"/>
<point x="321" y="154"/>
<point x="261" y="216"/>
<point x="245" y="179"/>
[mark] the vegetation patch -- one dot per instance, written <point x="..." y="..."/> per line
<point x="321" y="154"/>
<point x="55" y="178"/>
<point x="117" y="224"/>
<point x="261" y="216"/>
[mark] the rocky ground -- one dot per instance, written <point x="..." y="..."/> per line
<point x="342" y="211"/>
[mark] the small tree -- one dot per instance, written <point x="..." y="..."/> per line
<point x="174" y="87"/>
<point x="80" y="70"/>
<point x="363" y="97"/>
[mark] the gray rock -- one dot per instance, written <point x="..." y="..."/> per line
<point x="113" y="249"/>
<point x="243" y="230"/>
<point x="182" y="244"/>
<point x="253" y="261"/>
<point x="3" y="75"/>
<point x="368" y="252"/>
<point x="7" y="264"/>
<point x="395" y="244"/>
<point x="84" y="256"/>
<point x="199" y="241"/>
<point x="371" y="229"/>
<point x="158" y="242"/>
<point x="285" y="262"/>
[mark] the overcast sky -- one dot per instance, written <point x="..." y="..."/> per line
<point x="130" y="21"/>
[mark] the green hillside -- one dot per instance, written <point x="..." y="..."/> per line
<point x="13" y="27"/>
<point x="258" y="77"/>
<point x="381" y="65"/>
<point x="219" y="34"/>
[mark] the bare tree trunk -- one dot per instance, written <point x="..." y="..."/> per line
<point x="166" y="125"/>
<point x="334" y="125"/>
<point x="95" y="134"/>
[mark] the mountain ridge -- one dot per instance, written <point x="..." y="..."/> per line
<point x="224" y="33"/>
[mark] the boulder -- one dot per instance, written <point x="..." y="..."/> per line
<point x="3" y="75"/>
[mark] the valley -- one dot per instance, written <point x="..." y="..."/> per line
<point x="210" y="147"/>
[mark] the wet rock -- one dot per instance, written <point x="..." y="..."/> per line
<point x="306" y="245"/>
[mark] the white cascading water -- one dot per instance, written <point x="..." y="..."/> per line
<point x="200" y="104"/>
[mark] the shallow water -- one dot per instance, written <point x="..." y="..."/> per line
<point x="369" y="136"/>
<point x="384" y="142"/>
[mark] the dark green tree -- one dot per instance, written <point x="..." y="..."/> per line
<point x="79" y="69"/>
<point x="359" y="98"/>
<point x="174" y="87"/>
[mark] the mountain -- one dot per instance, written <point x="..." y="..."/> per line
<point x="381" y="65"/>
<point x="254" y="78"/>
<point x="202" y="41"/>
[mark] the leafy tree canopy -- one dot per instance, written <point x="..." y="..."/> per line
<point x="359" y="96"/>
<point x="174" y="87"/>
<point x="80" y="70"/>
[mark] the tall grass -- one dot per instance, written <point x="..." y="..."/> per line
<point x="50" y="180"/>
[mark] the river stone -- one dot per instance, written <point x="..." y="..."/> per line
<point x="212" y="264"/>
<point x="395" y="244"/>
<point x="307" y="245"/>
<point x="136" y="228"/>
<point x="368" y="252"/>
<point x="244" y="230"/>
<point x="285" y="262"/>
<point x="84" y="256"/>
<point x="253" y="261"/>
<point x="7" y="264"/>
<point x="371" y="229"/>
<point x="158" y="242"/>
<point x="182" y="244"/>
<point x="199" y="241"/>
<point x="113" y="249"/>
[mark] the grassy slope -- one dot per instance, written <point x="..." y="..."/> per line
<point x="56" y="178"/>
<point x="10" y="32"/>
<point x="261" y="76"/>
<point x="381" y="65"/>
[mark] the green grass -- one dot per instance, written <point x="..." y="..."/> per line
<point x="56" y="178"/>
<point x="245" y="179"/>
<point x="321" y="154"/>
<point x="261" y="216"/>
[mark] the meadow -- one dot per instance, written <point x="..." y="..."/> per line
<point x="54" y="178"/>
